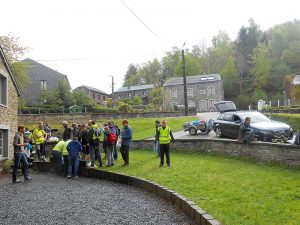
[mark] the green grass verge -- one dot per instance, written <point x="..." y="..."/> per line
<point x="291" y="119"/>
<point x="232" y="190"/>
<point x="143" y="128"/>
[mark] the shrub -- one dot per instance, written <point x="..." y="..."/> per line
<point x="6" y="166"/>
<point x="291" y="119"/>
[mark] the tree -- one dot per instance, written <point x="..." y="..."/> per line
<point x="13" y="50"/>
<point x="156" y="96"/>
<point x="81" y="99"/>
<point x="125" y="108"/>
<point x="130" y="73"/>
<point x="136" y="100"/>
<point x="64" y="92"/>
<point x="261" y="66"/>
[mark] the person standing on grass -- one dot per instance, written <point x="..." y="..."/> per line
<point x="84" y="139"/>
<point x="74" y="148"/>
<point x="156" y="146"/>
<point x="126" y="139"/>
<point x="39" y="136"/>
<point x="108" y="139"/>
<point x="94" y="143"/>
<point x="164" y="136"/>
<point x="19" y="155"/>
<point x="113" y="128"/>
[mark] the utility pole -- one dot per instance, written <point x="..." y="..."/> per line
<point x="112" y="91"/>
<point x="186" y="110"/>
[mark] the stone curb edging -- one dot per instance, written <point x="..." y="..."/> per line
<point x="190" y="208"/>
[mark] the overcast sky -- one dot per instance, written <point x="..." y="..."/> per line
<point x="92" y="40"/>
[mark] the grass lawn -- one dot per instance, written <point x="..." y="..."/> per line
<point x="232" y="190"/>
<point x="143" y="128"/>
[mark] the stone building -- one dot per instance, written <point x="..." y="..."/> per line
<point x="202" y="92"/>
<point x="99" y="96"/>
<point x="9" y="93"/>
<point x="40" y="78"/>
<point x="142" y="91"/>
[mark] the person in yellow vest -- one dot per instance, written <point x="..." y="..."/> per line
<point x="164" y="136"/>
<point x="94" y="143"/>
<point x="65" y="154"/>
<point x="39" y="137"/>
<point x="57" y="156"/>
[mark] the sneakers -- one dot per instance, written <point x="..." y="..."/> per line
<point x="69" y="177"/>
<point x="17" y="181"/>
<point x="27" y="179"/>
<point x="76" y="177"/>
<point x="161" y="165"/>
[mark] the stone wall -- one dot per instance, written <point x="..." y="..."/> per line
<point x="9" y="115"/>
<point x="84" y="117"/>
<point x="262" y="152"/>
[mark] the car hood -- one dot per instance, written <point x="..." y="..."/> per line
<point x="272" y="125"/>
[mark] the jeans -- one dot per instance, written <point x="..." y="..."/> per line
<point x="40" y="149"/>
<point x="164" y="149"/>
<point x="73" y="164"/>
<point x="20" y="157"/>
<point x="109" y="155"/>
<point x="95" y="154"/>
<point x="125" y="153"/>
<point x="66" y="164"/>
<point x="57" y="161"/>
<point x="115" y="151"/>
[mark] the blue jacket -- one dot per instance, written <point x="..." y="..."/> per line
<point x="126" y="135"/>
<point x="74" y="147"/>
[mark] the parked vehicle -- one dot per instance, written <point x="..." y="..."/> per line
<point x="204" y="126"/>
<point x="265" y="129"/>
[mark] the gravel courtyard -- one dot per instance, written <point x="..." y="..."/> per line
<point x="50" y="199"/>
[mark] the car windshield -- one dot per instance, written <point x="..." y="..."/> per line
<point x="256" y="117"/>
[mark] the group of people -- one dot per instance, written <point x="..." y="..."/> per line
<point x="84" y="141"/>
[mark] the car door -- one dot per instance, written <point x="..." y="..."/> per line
<point x="227" y="125"/>
<point x="236" y="125"/>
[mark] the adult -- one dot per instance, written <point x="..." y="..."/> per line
<point x="19" y="156"/>
<point x="67" y="131"/>
<point x="94" y="143"/>
<point x="47" y="129"/>
<point x="65" y="154"/>
<point x="57" y="155"/>
<point x="246" y="134"/>
<point x="39" y="136"/>
<point x="107" y="145"/>
<point x="84" y="140"/>
<point x="164" y="136"/>
<point x="74" y="148"/>
<point x="126" y="139"/>
<point x="75" y="130"/>
<point x="115" y="129"/>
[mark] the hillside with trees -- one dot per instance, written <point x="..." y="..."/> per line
<point x="252" y="66"/>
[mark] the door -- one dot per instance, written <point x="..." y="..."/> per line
<point x="202" y="106"/>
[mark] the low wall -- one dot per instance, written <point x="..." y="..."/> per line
<point x="84" y="117"/>
<point x="194" y="212"/>
<point x="284" y="154"/>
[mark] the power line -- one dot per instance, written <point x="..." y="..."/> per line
<point x="141" y="20"/>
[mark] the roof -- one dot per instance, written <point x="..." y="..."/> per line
<point x="42" y="72"/>
<point x="9" y="71"/>
<point x="135" y="88"/>
<point x="193" y="79"/>
<point x="92" y="89"/>
<point x="296" y="80"/>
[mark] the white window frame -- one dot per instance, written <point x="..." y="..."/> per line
<point x="211" y="90"/>
<point x="211" y="103"/>
<point x="3" y="90"/>
<point x="202" y="91"/>
<point x="1" y="143"/>
<point x="43" y="85"/>
<point x="173" y="94"/>
<point x="190" y="92"/>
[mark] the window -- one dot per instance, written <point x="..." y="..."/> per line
<point x="94" y="96"/>
<point x="43" y="85"/>
<point x="99" y="97"/>
<point x="134" y="93"/>
<point x="129" y="94"/>
<point x="1" y="143"/>
<point x="190" y="92"/>
<point x="202" y="92"/>
<point x="211" y="90"/>
<point x="227" y="117"/>
<point x="103" y="97"/>
<point x="3" y="90"/>
<point x="144" y="93"/>
<point x="173" y="94"/>
<point x="211" y="103"/>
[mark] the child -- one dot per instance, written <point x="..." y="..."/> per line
<point x="74" y="148"/>
<point x="108" y="146"/>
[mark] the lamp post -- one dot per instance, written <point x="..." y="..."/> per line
<point x="186" y="109"/>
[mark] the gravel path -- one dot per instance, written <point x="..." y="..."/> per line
<point x="50" y="199"/>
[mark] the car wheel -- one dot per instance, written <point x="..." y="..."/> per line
<point x="193" y="131"/>
<point x="218" y="132"/>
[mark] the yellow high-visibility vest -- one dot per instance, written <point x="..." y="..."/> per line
<point x="38" y="136"/>
<point x="65" y="150"/>
<point x="164" y="135"/>
<point x="59" y="146"/>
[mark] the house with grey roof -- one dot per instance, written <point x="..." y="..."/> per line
<point x="142" y="91"/>
<point x="41" y="78"/>
<point x="97" y="95"/>
<point x="9" y="93"/>
<point x="202" y="92"/>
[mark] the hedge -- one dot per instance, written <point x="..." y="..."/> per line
<point x="291" y="119"/>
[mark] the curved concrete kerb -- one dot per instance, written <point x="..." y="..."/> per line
<point x="190" y="208"/>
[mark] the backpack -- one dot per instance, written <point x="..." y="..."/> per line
<point x="112" y="138"/>
<point x="297" y="139"/>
